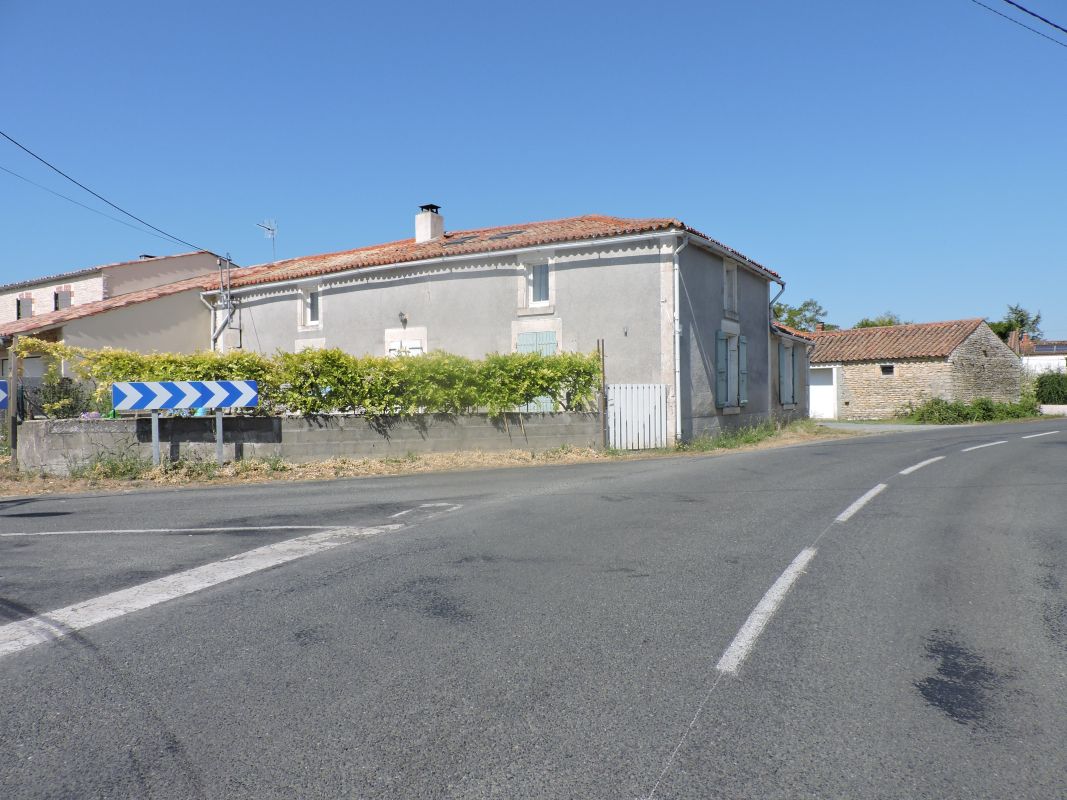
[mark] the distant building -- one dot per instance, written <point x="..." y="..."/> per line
<point x="1039" y="355"/>
<point x="874" y="373"/>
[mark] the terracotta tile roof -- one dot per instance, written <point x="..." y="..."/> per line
<point x="77" y="273"/>
<point x="470" y="242"/>
<point x="923" y="340"/>
<point x="793" y="331"/>
<point x="39" y="322"/>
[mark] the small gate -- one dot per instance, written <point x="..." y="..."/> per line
<point x="637" y="416"/>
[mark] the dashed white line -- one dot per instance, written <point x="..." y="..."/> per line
<point x="980" y="446"/>
<point x="746" y="637"/>
<point x="920" y="465"/>
<point x="847" y="514"/>
<point x="20" y="635"/>
<point x="1035" y="435"/>
<point x="229" y="529"/>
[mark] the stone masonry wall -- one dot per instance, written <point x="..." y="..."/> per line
<point x="865" y="393"/>
<point x="983" y="366"/>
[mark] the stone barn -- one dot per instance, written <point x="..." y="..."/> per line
<point x="873" y="373"/>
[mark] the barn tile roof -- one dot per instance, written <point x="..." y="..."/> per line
<point x="472" y="242"/>
<point x="793" y="331"/>
<point x="922" y="340"/>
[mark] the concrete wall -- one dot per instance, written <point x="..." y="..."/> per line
<point x="176" y="323"/>
<point x="151" y="272"/>
<point x="983" y="366"/>
<point x="1035" y="365"/>
<point x="56" y="445"/>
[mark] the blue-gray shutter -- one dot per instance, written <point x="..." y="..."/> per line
<point x="722" y="362"/>
<point x="543" y="342"/>
<point x="742" y="371"/>
<point x="783" y="374"/>
<point x="798" y="371"/>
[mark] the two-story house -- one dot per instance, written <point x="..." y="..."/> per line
<point x="674" y="307"/>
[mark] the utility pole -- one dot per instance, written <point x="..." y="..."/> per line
<point x="13" y="402"/>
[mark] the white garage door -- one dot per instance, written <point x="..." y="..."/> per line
<point x="822" y="394"/>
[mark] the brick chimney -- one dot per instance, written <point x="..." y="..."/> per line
<point x="429" y="224"/>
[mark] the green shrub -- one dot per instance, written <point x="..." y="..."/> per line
<point x="325" y="381"/>
<point x="983" y="409"/>
<point x="126" y="466"/>
<point x="1051" y="388"/>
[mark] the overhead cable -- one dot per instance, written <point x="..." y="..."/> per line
<point x="98" y="196"/>
<point x="1020" y="24"/>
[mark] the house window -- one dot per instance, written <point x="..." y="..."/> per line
<point x="537" y="278"/>
<point x="729" y="288"/>
<point x="310" y="309"/>
<point x="23" y="307"/>
<point x="887" y="369"/>
<point x="62" y="299"/>
<point x="731" y="370"/>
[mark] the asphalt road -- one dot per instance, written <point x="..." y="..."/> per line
<point x="559" y="632"/>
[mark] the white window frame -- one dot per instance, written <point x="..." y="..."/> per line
<point x="729" y="288"/>
<point x="401" y="342"/>
<point x="304" y="321"/>
<point x="531" y="285"/>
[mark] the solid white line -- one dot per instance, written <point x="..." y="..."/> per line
<point x="980" y="446"/>
<point x="1035" y="435"/>
<point x="920" y="465"/>
<point x="16" y="636"/>
<point x="401" y="513"/>
<point x="846" y="515"/>
<point x="184" y="530"/>
<point x="762" y="613"/>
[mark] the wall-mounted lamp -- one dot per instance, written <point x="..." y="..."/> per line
<point x="403" y="319"/>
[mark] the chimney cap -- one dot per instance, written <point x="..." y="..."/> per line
<point x="430" y="207"/>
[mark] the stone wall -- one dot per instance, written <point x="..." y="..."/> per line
<point x="55" y="446"/>
<point x="983" y="366"/>
<point x="865" y="393"/>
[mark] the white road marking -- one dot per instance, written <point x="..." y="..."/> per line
<point x="746" y="637"/>
<point x="847" y="514"/>
<point x="16" y="636"/>
<point x="1035" y="435"/>
<point x="229" y="529"/>
<point x="980" y="446"/>
<point x="920" y="465"/>
<point x="401" y="513"/>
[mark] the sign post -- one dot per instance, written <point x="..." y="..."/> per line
<point x="154" y="395"/>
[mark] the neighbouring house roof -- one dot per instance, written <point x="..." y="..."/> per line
<point x="1045" y="347"/>
<point x="922" y="340"/>
<point x="41" y="322"/>
<point x="78" y="273"/>
<point x="794" y="332"/>
<point x="473" y="242"/>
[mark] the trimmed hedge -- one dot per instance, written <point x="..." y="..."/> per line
<point x="326" y="381"/>
<point x="1051" y="388"/>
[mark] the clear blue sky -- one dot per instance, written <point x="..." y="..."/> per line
<point x="906" y="155"/>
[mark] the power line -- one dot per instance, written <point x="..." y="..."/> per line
<point x="1020" y="24"/>
<point x="1036" y="16"/>
<point x="100" y="197"/>
<point x="87" y="208"/>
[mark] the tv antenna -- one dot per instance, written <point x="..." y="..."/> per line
<point x="270" y="231"/>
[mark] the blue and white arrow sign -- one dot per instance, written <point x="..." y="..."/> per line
<point x="152" y="395"/>
<point x="3" y="395"/>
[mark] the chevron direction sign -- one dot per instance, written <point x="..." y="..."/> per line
<point x="3" y="395"/>
<point x="153" y="395"/>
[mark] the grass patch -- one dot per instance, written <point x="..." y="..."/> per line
<point x="944" y="412"/>
<point x="111" y="466"/>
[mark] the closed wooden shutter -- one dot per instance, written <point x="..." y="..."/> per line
<point x="742" y="371"/>
<point x="722" y="366"/>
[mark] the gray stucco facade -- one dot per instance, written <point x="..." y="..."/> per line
<point x="621" y="290"/>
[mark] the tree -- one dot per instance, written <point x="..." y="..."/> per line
<point x="881" y="321"/>
<point x="1018" y="319"/>
<point x="803" y="317"/>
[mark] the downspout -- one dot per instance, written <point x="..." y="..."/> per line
<point x="770" y="328"/>
<point x="678" y="339"/>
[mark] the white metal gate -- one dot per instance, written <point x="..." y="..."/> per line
<point x="637" y="416"/>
